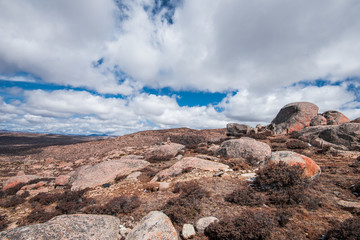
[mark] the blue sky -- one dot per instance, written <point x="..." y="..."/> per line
<point x="116" y="67"/>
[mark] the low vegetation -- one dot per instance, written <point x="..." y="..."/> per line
<point x="187" y="205"/>
<point x="250" y="224"/>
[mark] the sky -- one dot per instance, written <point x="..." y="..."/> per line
<point x="112" y="67"/>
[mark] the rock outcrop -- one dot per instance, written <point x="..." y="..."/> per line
<point x="318" y="121"/>
<point x="187" y="164"/>
<point x="294" y="117"/>
<point x="79" y="226"/>
<point x="255" y="152"/>
<point x="311" y="169"/>
<point x="164" y="152"/>
<point x="154" y="226"/>
<point x="335" y="118"/>
<point x="237" y="130"/>
<point x="95" y="175"/>
<point x="345" y="136"/>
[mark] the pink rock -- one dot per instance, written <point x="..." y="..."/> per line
<point x="17" y="180"/>
<point x="294" y="117"/>
<point x="75" y="226"/>
<point x="187" y="164"/>
<point x="255" y="152"/>
<point x="318" y="120"/>
<point x="34" y="186"/>
<point x="155" y="225"/>
<point x="163" y="186"/>
<point x="104" y="172"/>
<point x="335" y="118"/>
<point x="311" y="169"/>
<point x="165" y="152"/>
<point x="62" y="180"/>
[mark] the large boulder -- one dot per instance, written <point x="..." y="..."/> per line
<point x="104" y="172"/>
<point x="237" y="130"/>
<point x="255" y="152"/>
<point x="79" y="226"/>
<point x="154" y="226"/>
<point x="356" y="120"/>
<point x="345" y="136"/>
<point x="187" y="164"/>
<point x="294" y="117"/>
<point x="164" y="152"/>
<point x="318" y="121"/>
<point x="335" y="118"/>
<point x="311" y="169"/>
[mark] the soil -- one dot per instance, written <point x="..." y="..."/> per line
<point x="50" y="156"/>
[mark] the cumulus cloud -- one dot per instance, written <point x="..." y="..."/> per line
<point x="267" y="52"/>
<point x="252" y="107"/>
<point x="79" y="112"/>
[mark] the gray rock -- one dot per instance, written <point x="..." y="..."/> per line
<point x="254" y="152"/>
<point x="204" y="222"/>
<point x="133" y="176"/>
<point x="237" y="130"/>
<point x="91" y="176"/>
<point x="20" y="179"/>
<point x="345" y="136"/>
<point x="79" y="226"/>
<point x="155" y="225"/>
<point x="318" y="121"/>
<point x="188" y="231"/>
<point x="187" y="164"/>
<point x="348" y="205"/>
<point x="335" y="118"/>
<point x="294" y="117"/>
<point x="165" y="152"/>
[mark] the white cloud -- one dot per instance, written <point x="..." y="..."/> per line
<point x="254" y="107"/>
<point x="258" y="48"/>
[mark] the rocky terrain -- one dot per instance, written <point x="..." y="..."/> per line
<point x="297" y="178"/>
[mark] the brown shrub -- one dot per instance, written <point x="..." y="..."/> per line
<point x="12" y="202"/>
<point x="236" y="163"/>
<point x="251" y="224"/>
<point x="188" y="205"/>
<point x="159" y="158"/>
<point x="285" y="185"/>
<point x="38" y="216"/>
<point x="349" y="229"/>
<point x="279" y="140"/>
<point x="246" y="197"/>
<point x="72" y="201"/>
<point x="3" y="222"/>
<point x="296" y="144"/>
<point x="34" y="181"/>
<point x="123" y="204"/>
<point x="190" y="189"/>
<point x="283" y="217"/>
<point x="188" y="140"/>
<point x="45" y="198"/>
<point x="182" y="209"/>
<point x="277" y="176"/>
<point x="147" y="174"/>
<point x="14" y="190"/>
<point x="260" y="135"/>
<point x="356" y="188"/>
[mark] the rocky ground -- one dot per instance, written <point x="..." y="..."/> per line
<point x="189" y="175"/>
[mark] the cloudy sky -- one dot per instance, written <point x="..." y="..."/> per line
<point x="121" y="66"/>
